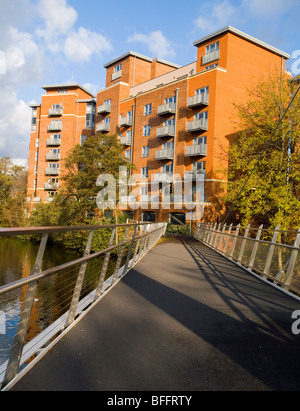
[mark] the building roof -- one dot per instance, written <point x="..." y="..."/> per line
<point x="140" y="56"/>
<point x="245" y="36"/>
<point x="68" y="85"/>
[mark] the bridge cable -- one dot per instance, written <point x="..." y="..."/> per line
<point x="261" y="154"/>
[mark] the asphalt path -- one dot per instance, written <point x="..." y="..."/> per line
<point x="183" y="319"/>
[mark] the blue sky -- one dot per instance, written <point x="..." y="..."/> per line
<point x="58" y="41"/>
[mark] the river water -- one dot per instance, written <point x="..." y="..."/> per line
<point x="16" y="261"/>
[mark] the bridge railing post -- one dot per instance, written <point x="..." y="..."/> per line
<point x="236" y="234"/>
<point x="227" y="239"/>
<point x="79" y="283"/>
<point x="20" y="336"/>
<point x="120" y="256"/>
<point x="292" y="262"/>
<point x="129" y="250"/>
<point x="271" y="252"/>
<point x="242" y="249"/>
<point x="255" y="248"/>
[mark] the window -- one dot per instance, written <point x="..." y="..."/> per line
<point x="128" y="154"/>
<point x="168" y="168"/>
<point x="211" y="66"/>
<point x="36" y="156"/>
<point x="146" y="130"/>
<point x="199" y="165"/>
<point x="168" y="146"/>
<point x="144" y="172"/>
<point x="37" y="142"/>
<point x="144" y="190"/>
<point x="212" y="47"/>
<point x="169" y="123"/>
<point x="201" y="116"/>
<point x="90" y="115"/>
<point x="170" y="100"/>
<point x="147" y="109"/>
<point x="117" y="68"/>
<point x="145" y="151"/>
<point x="33" y="120"/>
<point x="35" y="170"/>
<point x="202" y="91"/>
<point x="200" y="140"/>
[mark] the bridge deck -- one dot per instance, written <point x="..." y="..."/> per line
<point x="184" y="319"/>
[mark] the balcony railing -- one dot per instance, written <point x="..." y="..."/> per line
<point x="126" y="141"/>
<point x="55" y="111"/>
<point x="55" y="126"/>
<point x="116" y="75"/>
<point x="196" y="150"/>
<point x="167" y="131"/>
<point x="212" y="56"/>
<point x="125" y="121"/>
<point x="103" y="127"/>
<point x="168" y="108"/>
<point x="52" y="156"/>
<point x="53" y="141"/>
<point x="51" y="186"/>
<point x="49" y="171"/>
<point x="193" y="174"/>
<point x="198" y="100"/>
<point x="163" y="177"/>
<point x="164" y="154"/>
<point x="104" y="109"/>
<point x="197" y="125"/>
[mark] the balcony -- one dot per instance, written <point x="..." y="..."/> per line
<point x="212" y="56"/>
<point x="103" y="127"/>
<point x="37" y="199"/>
<point x="53" y="141"/>
<point x="126" y="141"/>
<point x="165" y="154"/>
<point x="52" y="156"/>
<point x="194" y="175"/>
<point x="125" y="121"/>
<point x="116" y="75"/>
<point x="51" y="171"/>
<point x="55" y="126"/>
<point x="196" y="150"/>
<point x="199" y="100"/>
<point x="104" y="109"/>
<point x="197" y="125"/>
<point x="55" y="111"/>
<point x="167" y="131"/>
<point x="163" y="177"/>
<point x="165" y="109"/>
<point x="51" y="186"/>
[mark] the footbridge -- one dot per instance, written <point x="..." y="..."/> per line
<point x="146" y="311"/>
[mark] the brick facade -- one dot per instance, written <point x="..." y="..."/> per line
<point x="158" y="105"/>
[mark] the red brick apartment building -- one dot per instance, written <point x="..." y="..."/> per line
<point x="171" y="120"/>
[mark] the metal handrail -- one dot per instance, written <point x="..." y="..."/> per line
<point x="138" y="246"/>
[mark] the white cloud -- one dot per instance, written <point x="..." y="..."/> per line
<point x="81" y="45"/>
<point x="156" y="42"/>
<point x="215" y="16"/>
<point x="58" y="17"/>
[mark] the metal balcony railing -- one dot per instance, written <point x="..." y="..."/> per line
<point x="197" y="125"/>
<point x="198" y="100"/>
<point x="258" y="250"/>
<point x="51" y="171"/>
<point x="70" y="289"/>
<point x="104" y="108"/>
<point x="196" y="150"/>
<point x="164" y="154"/>
<point x="126" y="141"/>
<point x="116" y="75"/>
<point x="103" y="127"/>
<point x="125" y="121"/>
<point x="55" y="111"/>
<point x="212" y="56"/>
<point x="55" y="126"/>
<point x="53" y="141"/>
<point x="168" y="108"/>
<point x="51" y="186"/>
<point x="167" y="131"/>
<point x="52" y="156"/>
<point x="163" y="177"/>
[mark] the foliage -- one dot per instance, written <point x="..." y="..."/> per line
<point x="178" y="229"/>
<point x="271" y="196"/>
<point x="13" y="179"/>
<point x="75" y="203"/>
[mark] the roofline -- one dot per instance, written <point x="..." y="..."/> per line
<point x="245" y="36"/>
<point x="52" y="86"/>
<point x="134" y="54"/>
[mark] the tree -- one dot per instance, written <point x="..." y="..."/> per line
<point x="266" y="155"/>
<point x="75" y="203"/>
<point x="13" y="180"/>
